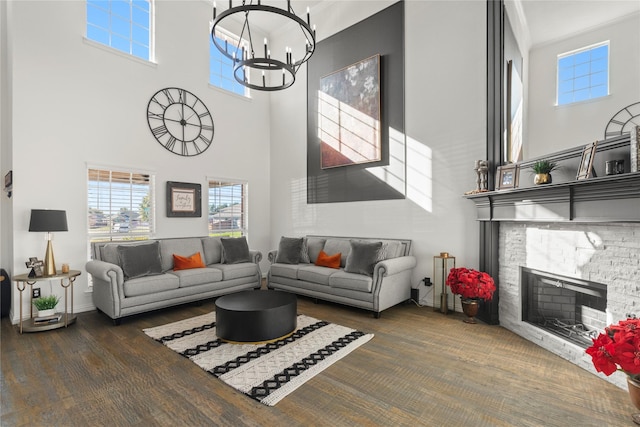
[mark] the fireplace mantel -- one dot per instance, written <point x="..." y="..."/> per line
<point x="605" y="199"/>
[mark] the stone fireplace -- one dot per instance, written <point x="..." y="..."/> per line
<point x="567" y="307"/>
<point x="592" y="271"/>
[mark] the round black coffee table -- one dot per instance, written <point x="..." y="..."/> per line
<point x="253" y="316"/>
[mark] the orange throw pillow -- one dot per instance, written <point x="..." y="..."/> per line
<point x="185" y="263"/>
<point x="331" y="261"/>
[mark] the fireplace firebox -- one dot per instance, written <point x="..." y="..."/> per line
<point x="571" y="308"/>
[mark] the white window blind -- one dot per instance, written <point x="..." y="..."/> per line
<point x="227" y="208"/>
<point x="120" y="205"/>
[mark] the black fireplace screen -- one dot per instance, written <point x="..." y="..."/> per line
<point x="571" y="308"/>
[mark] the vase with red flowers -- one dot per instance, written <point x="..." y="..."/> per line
<point x="472" y="286"/>
<point x="618" y="349"/>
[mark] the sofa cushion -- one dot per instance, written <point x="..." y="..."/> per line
<point x="235" y="250"/>
<point x="315" y="274"/>
<point x="331" y="261"/>
<point x="109" y="253"/>
<point x="150" y="284"/>
<point x="182" y="246"/>
<point x="289" y="250"/>
<point x="333" y="246"/>
<point x="390" y="250"/>
<point x="185" y="263"/>
<point x="198" y="276"/>
<point x="212" y="250"/>
<point x="284" y="270"/>
<point x="311" y="248"/>
<point x="236" y="271"/>
<point x="363" y="257"/>
<point x="140" y="260"/>
<point x="351" y="281"/>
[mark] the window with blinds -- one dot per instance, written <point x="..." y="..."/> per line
<point x="227" y="208"/>
<point x="120" y="205"/>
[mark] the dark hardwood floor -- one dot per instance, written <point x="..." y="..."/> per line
<point x="421" y="368"/>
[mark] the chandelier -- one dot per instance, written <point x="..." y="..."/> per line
<point x="277" y="71"/>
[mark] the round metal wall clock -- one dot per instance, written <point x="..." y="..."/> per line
<point x="180" y="121"/>
<point x="623" y="121"/>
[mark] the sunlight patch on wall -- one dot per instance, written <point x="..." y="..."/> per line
<point x="420" y="174"/>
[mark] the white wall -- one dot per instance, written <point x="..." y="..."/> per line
<point x="75" y="104"/>
<point x="552" y="128"/>
<point x="445" y="113"/>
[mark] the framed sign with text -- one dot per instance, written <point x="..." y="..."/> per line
<point x="184" y="199"/>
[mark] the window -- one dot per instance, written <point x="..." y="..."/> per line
<point x="583" y="74"/>
<point x="124" y="25"/>
<point x="119" y="205"/>
<point x="221" y="67"/>
<point x="227" y="208"/>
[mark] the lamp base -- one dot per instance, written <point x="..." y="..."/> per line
<point x="49" y="262"/>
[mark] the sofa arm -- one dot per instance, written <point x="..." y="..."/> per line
<point x="272" y="256"/>
<point x="392" y="266"/>
<point x="105" y="271"/>
<point x="256" y="256"/>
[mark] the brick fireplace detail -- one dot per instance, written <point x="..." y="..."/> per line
<point x="607" y="254"/>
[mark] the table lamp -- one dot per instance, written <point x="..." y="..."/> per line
<point x="48" y="221"/>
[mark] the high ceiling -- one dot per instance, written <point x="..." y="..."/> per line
<point x="551" y="20"/>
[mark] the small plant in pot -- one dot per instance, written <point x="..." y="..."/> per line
<point x="543" y="169"/>
<point x="46" y="305"/>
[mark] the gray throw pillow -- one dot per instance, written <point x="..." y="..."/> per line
<point x="363" y="257"/>
<point x="140" y="260"/>
<point x="235" y="250"/>
<point x="289" y="250"/>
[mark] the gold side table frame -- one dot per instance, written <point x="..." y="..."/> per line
<point x="66" y="281"/>
<point x="442" y="264"/>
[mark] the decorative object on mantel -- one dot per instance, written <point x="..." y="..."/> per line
<point x="482" y="175"/>
<point x="585" y="170"/>
<point x="472" y="286"/>
<point x="442" y="264"/>
<point x="543" y="169"/>
<point x="277" y="74"/>
<point x="614" y="167"/>
<point x="618" y="349"/>
<point x="623" y="121"/>
<point x="507" y="176"/>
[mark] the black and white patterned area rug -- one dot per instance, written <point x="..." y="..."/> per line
<point x="266" y="372"/>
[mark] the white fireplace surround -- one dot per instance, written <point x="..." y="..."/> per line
<point x="604" y="253"/>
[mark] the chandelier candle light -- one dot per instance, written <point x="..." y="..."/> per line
<point x="276" y="73"/>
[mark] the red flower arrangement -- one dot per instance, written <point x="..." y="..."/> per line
<point x="618" y="348"/>
<point x="471" y="284"/>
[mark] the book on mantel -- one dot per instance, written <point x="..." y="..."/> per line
<point x="48" y="319"/>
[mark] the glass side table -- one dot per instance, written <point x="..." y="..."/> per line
<point x="66" y="319"/>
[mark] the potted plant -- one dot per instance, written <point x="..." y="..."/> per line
<point x="472" y="286"/>
<point x="618" y="349"/>
<point x="46" y="305"/>
<point x="543" y="169"/>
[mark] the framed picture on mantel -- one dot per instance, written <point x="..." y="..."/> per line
<point x="507" y="176"/>
<point x="585" y="170"/>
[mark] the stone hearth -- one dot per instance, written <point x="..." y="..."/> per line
<point x="604" y="253"/>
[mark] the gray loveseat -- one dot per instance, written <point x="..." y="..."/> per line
<point x="375" y="285"/>
<point x="135" y="277"/>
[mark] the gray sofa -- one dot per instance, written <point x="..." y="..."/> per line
<point x="135" y="277"/>
<point x="388" y="284"/>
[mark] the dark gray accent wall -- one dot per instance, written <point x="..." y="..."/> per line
<point x="383" y="34"/>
